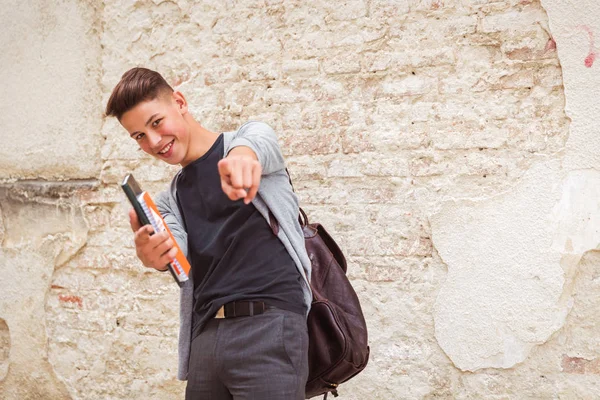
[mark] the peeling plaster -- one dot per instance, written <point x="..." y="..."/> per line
<point x="577" y="214"/>
<point x="504" y="285"/>
<point x="571" y="24"/>
<point x="40" y="234"/>
<point x="511" y="258"/>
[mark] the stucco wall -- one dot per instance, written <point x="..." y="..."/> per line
<point x="450" y="146"/>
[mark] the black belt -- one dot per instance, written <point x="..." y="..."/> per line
<point x="241" y="309"/>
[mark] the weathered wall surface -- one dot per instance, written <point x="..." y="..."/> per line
<point x="513" y="259"/>
<point x="50" y="68"/>
<point x="450" y="146"/>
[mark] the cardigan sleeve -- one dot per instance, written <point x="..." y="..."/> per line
<point x="261" y="138"/>
<point x="172" y="219"/>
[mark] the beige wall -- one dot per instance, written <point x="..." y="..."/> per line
<point x="450" y="146"/>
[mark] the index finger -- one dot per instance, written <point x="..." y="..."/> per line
<point x="256" y="174"/>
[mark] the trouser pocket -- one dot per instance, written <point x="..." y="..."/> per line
<point x="294" y="338"/>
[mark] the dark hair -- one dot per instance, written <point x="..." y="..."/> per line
<point x="136" y="85"/>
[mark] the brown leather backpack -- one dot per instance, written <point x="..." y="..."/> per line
<point x="337" y="331"/>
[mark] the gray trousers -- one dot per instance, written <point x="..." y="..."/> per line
<point x="262" y="357"/>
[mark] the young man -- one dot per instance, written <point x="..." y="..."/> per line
<point x="232" y="210"/>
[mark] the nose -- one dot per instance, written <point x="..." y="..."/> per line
<point x="153" y="139"/>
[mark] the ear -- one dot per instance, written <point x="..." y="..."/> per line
<point x="181" y="102"/>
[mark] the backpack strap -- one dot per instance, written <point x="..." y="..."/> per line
<point x="333" y="392"/>
<point x="273" y="223"/>
<point x="302" y="217"/>
<point x="290" y="179"/>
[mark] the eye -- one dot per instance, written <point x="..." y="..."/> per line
<point x="156" y="122"/>
<point x="139" y="136"/>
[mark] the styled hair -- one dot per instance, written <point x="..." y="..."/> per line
<point x="136" y="85"/>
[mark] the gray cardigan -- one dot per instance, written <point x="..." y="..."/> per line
<point x="275" y="193"/>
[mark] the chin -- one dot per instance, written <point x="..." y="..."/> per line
<point x="172" y="162"/>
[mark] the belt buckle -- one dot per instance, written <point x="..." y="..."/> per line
<point x="220" y="313"/>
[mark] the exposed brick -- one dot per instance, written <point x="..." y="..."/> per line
<point x="382" y="9"/>
<point x="288" y="95"/>
<point x="387" y="244"/>
<point x="549" y="76"/>
<point x="408" y="86"/>
<point x="469" y="136"/>
<point x="521" y="79"/>
<point x="299" y="117"/>
<point x="357" y="140"/>
<point x="408" y="272"/>
<point x="385" y="165"/>
<point x="224" y="73"/>
<point x="266" y="45"/>
<point x="306" y="167"/>
<point x="299" y="66"/>
<point x="432" y="5"/>
<point x="376" y="61"/>
<point x="310" y="142"/>
<point x="334" y="119"/>
<point x="246" y="95"/>
<point x="514" y="20"/>
<point x="433" y="31"/>
<point x="342" y="64"/>
<point x="465" y="163"/>
<point x="578" y="365"/>
<point x="434" y="57"/>
<point x="266" y="71"/>
<point x="347" y="10"/>
<point x="70" y="300"/>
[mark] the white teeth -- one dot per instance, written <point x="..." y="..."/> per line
<point x="167" y="148"/>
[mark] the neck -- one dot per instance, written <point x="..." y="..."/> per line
<point x="201" y="140"/>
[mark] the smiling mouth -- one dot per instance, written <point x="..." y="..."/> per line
<point x="166" y="148"/>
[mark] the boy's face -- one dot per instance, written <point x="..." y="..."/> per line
<point x="159" y="127"/>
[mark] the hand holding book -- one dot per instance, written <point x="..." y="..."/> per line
<point x="153" y="250"/>
<point x="154" y="243"/>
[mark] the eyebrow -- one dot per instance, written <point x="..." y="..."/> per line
<point x="147" y="122"/>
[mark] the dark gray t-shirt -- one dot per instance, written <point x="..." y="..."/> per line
<point x="232" y="249"/>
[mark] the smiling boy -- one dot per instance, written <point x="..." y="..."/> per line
<point x="243" y="331"/>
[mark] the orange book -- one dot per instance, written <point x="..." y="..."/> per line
<point x="148" y="214"/>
